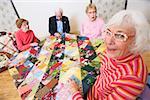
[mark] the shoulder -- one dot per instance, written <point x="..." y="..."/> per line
<point x="137" y="59"/>
<point x="52" y="18"/>
<point x="134" y="65"/>
<point x="139" y="64"/>
<point x="100" y="20"/>
<point x="64" y="17"/>
<point x="84" y="22"/>
<point x="30" y="31"/>
<point x="18" y="32"/>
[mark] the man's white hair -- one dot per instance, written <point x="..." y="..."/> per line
<point x="142" y="28"/>
<point x="59" y="10"/>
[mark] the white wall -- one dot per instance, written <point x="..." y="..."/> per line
<point x="37" y="12"/>
<point x="141" y="5"/>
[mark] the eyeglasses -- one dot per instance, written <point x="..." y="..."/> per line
<point x="119" y="35"/>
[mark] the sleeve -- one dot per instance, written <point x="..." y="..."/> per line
<point x="92" y="94"/>
<point x="82" y="29"/>
<point x="77" y="96"/>
<point x="51" y="23"/>
<point x="35" y="39"/>
<point x="100" y="27"/>
<point x="20" y="45"/>
<point x="67" y="25"/>
<point x="128" y="88"/>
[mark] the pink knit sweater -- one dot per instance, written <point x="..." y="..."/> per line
<point x="120" y="79"/>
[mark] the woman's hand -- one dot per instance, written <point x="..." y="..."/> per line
<point x="57" y="35"/>
<point x="73" y="86"/>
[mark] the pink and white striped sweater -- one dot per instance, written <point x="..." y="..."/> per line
<point x="120" y="79"/>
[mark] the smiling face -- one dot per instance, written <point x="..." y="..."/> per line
<point x="118" y="39"/>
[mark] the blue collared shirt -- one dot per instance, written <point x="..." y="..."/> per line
<point x="59" y="26"/>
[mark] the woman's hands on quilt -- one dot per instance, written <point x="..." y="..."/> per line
<point x="57" y="35"/>
<point x="73" y="86"/>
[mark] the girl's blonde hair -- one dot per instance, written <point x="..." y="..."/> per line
<point x="90" y="6"/>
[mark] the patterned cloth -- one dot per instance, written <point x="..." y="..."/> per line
<point x="40" y="73"/>
<point x="7" y="49"/>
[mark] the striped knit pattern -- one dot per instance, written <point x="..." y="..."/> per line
<point x="120" y="79"/>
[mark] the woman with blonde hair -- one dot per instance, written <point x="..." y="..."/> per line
<point x="92" y="26"/>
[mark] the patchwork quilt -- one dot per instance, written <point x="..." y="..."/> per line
<point x="6" y="49"/>
<point x="43" y="72"/>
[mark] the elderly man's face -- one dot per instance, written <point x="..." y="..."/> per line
<point x="58" y="15"/>
<point x="118" y="39"/>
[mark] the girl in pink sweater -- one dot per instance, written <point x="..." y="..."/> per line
<point x="92" y="26"/>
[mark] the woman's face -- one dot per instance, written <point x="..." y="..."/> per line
<point x="118" y="39"/>
<point x="91" y="14"/>
<point x="25" y="26"/>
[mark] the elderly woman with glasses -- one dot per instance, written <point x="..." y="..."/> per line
<point x="123" y="73"/>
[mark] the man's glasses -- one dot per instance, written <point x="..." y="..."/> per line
<point x="119" y="35"/>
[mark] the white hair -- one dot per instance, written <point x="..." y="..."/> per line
<point x="142" y="28"/>
<point x="59" y="10"/>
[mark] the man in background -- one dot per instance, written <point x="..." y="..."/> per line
<point x="58" y="24"/>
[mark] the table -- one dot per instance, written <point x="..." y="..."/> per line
<point x="42" y="73"/>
